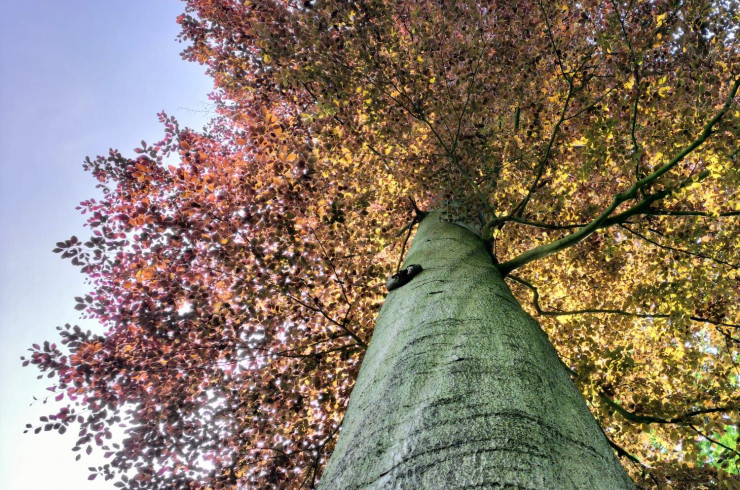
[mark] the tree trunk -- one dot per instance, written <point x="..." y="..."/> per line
<point x="460" y="388"/>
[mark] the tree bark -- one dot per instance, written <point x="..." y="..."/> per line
<point x="460" y="388"/>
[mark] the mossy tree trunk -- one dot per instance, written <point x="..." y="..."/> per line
<point x="460" y="388"/>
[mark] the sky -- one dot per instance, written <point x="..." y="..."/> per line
<point x="76" y="78"/>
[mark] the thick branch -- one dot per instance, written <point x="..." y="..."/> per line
<point x="631" y="193"/>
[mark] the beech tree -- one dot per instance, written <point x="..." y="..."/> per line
<point x="574" y="162"/>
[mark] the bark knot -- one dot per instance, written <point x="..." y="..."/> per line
<point x="402" y="277"/>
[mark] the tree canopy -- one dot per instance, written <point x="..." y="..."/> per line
<point x="238" y="270"/>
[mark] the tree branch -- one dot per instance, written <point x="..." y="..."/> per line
<point x="608" y="311"/>
<point x="666" y="212"/>
<point x="636" y="82"/>
<point x="519" y="209"/>
<point x="713" y="441"/>
<point x="649" y="419"/>
<point x="679" y="250"/>
<point x="631" y="193"/>
<point x="319" y="310"/>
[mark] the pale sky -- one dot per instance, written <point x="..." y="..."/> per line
<point x="76" y="77"/>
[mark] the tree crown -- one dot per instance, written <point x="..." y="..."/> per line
<point x="238" y="270"/>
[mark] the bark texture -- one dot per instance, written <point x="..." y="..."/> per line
<point x="460" y="388"/>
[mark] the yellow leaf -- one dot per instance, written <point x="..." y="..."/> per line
<point x="579" y="143"/>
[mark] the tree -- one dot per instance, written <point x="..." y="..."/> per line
<point x="588" y="148"/>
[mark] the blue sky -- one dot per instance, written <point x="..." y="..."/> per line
<point x="76" y="78"/>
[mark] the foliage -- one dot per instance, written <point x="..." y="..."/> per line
<point x="722" y="451"/>
<point x="238" y="270"/>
